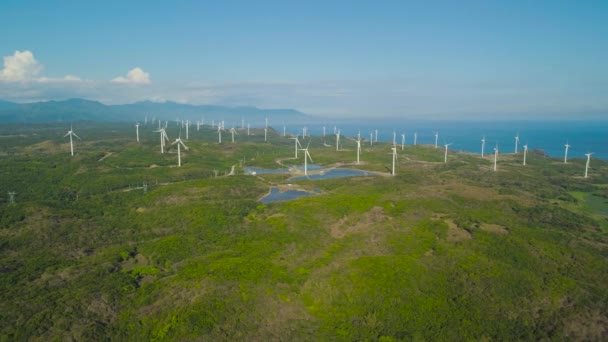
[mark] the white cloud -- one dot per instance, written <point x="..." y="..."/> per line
<point x="65" y="79"/>
<point x="134" y="76"/>
<point x="22" y="66"/>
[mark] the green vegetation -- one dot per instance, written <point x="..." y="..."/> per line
<point x="438" y="252"/>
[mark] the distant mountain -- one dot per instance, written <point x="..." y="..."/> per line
<point x="87" y="110"/>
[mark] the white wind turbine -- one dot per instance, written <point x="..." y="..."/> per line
<point x="402" y="141"/>
<point x="358" y="148"/>
<point x="566" y="154"/>
<point x="376" y="135"/>
<point x="71" y="133"/>
<point x="436" y="138"/>
<point x="394" y="138"/>
<point x="394" y="159"/>
<point x="179" y="142"/>
<point x="495" y="156"/>
<point x="284" y="130"/>
<point x="219" y="134"/>
<point x="587" y="164"/>
<point x="137" y="131"/>
<point x="516" y="142"/>
<point x="163" y="137"/>
<point x="415" y="138"/>
<point x="306" y="157"/>
<point x="296" y="143"/>
<point x="445" y="158"/>
<point x="248" y="127"/>
<point x="483" y="145"/>
<point x="233" y="131"/>
<point x="338" y="140"/>
<point x="371" y="138"/>
<point x="525" y="152"/>
<point x="187" y="124"/>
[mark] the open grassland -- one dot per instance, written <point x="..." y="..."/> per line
<point x="439" y="252"/>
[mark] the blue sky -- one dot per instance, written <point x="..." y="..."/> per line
<point x="432" y="59"/>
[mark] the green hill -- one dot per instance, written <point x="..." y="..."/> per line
<point x="440" y="251"/>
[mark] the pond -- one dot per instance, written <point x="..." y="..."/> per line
<point x="276" y="195"/>
<point x="335" y="173"/>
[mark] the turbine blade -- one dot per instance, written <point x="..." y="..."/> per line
<point x="76" y="136"/>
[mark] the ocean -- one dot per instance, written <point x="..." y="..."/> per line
<point x="549" y="136"/>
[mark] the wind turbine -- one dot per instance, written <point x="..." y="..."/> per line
<point x="306" y="157"/>
<point x="445" y="158"/>
<point x="566" y="154"/>
<point x="371" y="138"/>
<point x="483" y="144"/>
<point x="187" y="124"/>
<point x="71" y="133"/>
<point x="358" y="148"/>
<point x="516" y="142"/>
<point x="495" y="156"/>
<point x="137" y="131"/>
<point x="415" y="138"/>
<point x="219" y="134"/>
<point x="394" y="159"/>
<point x="587" y="164"/>
<point x="525" y="152"/>
<point x="284" y="129"/>
<point x="394" y="138"/>
<point x="402" y="141"/>
<point x="296" y="143"/>
<point x="338" y="140"/>
<point x="323" y="131"/>
<point x="248" y="126"/>
<point x="163" y="137"/>
<point x="436" y="138"/>
<point x="376" y="135"/>
<point x="179" y="142"/>
<point x="233" y="131"/>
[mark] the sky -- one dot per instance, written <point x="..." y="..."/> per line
<point x="364" y="59"/>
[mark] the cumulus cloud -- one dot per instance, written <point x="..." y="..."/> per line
<point x="134" y="76"/>
<point x="21" y="66"/>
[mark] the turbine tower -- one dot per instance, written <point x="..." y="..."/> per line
<point x="233" y="131"/>
<point x="415" y="138"/>
<point x="306" y="157"/>
<point x="566" y="154"/>
<point x="445" y="158"/>
<point x="358" y="149"/>
<point x="296" y="143"/>
<point x="516" y="142"/>
<point x="179" y="143"/>
<point x="495" y="156"/>
<point x="587" y="164"/>
<point x="219" y="134"/>
<point x="187" y="124"/>
<point x="436" y="138"/>
<point x="71" y="133"/>
<point x="525" y="153"/>
<point x="394" y="159"/>
<point x="402" y="141"/>
<point x="163" y="137"/>
<point x="137" y="131"/>
<point x="338" y="140"/>
<point x="483" y="144"/>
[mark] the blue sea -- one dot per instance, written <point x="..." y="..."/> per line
<point x="549" y="136"/>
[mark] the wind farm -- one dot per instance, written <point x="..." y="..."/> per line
<point x="382" y="172"/>
<point x="414" y="184"/>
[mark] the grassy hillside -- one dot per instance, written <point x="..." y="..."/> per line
<point x="438" y="252"/>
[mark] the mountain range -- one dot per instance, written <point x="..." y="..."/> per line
<point x="87" y="110"/>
